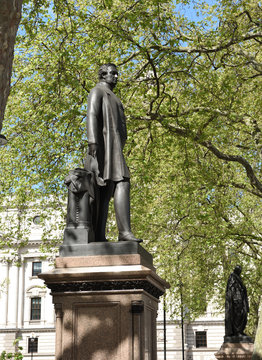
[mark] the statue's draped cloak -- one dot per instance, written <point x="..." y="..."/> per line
<point x="236" y="307"/>
<point x="106" y="127"/>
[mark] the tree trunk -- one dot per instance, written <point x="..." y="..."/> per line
<point x="257" y="354"/>
<point x="10" y="15"/>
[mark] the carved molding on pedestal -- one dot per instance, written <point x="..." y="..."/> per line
<point x="106" y="285"/>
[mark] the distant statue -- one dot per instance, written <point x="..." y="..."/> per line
<point x="236" y="307"/>
<point x="107" y="134"/>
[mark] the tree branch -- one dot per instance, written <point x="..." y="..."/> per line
<point x="244" y="187"/>
<point x="235" y="158"/>
<point x="203" y="50"/>
<point x="219" y="154"/>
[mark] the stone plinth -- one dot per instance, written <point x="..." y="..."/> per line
<point x="235" y="351"/>
<point x="106" y="305"/>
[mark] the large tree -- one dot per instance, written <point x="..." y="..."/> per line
<point x="191" y="88"/>
<point x="10" y="15"/>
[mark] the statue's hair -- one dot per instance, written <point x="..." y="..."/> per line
<point x="237" y="269"/>
<point x="103" y="69"/>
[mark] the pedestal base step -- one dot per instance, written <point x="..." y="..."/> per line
<point x="234" y="351"/>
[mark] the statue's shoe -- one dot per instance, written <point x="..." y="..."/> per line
<point x="128" y="236"/>
<point x="103" y="240"/>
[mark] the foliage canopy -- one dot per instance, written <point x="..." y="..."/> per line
<point x="191" y="86"/>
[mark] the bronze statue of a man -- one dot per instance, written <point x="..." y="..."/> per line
<point x="237" y="307"/>
<point x="106" y="132"/>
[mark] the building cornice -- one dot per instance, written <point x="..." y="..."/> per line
<point x="27" y="330"/>
<point x="193" y="323"/>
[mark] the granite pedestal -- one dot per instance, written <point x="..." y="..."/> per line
<point x="236" y="348"/>
<point x="106" y="305"/>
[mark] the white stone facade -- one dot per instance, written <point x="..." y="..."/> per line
<point x="211" y="326"/>
<point x="18" y="286"/>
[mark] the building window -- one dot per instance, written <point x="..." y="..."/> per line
<point x="32" y="344"/>
<point x="160" y="335"/>
<point x="201" y="339"/>
<point x="37" y="220"/>
<point x="35" y="308"/>
<point x="36" y="268"/>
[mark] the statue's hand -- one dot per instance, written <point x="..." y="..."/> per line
<point x="92" y="149"/>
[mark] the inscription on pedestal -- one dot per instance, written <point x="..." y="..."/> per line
<point x="96" y="329"/>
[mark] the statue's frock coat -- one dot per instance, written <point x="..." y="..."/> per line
<point x="236" y="306"/>
<point x="106" y="127"/>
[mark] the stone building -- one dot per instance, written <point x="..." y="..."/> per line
<point x="27" y="313"/>
<point x="26" y="304"/>
<point x="202" y="338"/>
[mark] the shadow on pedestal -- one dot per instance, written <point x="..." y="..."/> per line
<point x="106" y="302"/>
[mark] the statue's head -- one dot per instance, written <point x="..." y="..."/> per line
<point x="238" y="270"/>
<point x="108" y="73"/>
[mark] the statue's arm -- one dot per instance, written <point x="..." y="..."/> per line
<point x="93" y="117"/>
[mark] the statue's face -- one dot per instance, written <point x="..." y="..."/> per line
<point x="238" y="269"/>
<point x="111" y="76"/>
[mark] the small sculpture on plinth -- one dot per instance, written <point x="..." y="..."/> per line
<point x="236" y="308"/>
<point x="81" y="194"/>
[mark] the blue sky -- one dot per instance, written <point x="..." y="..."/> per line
<point x="190" y="12"/>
